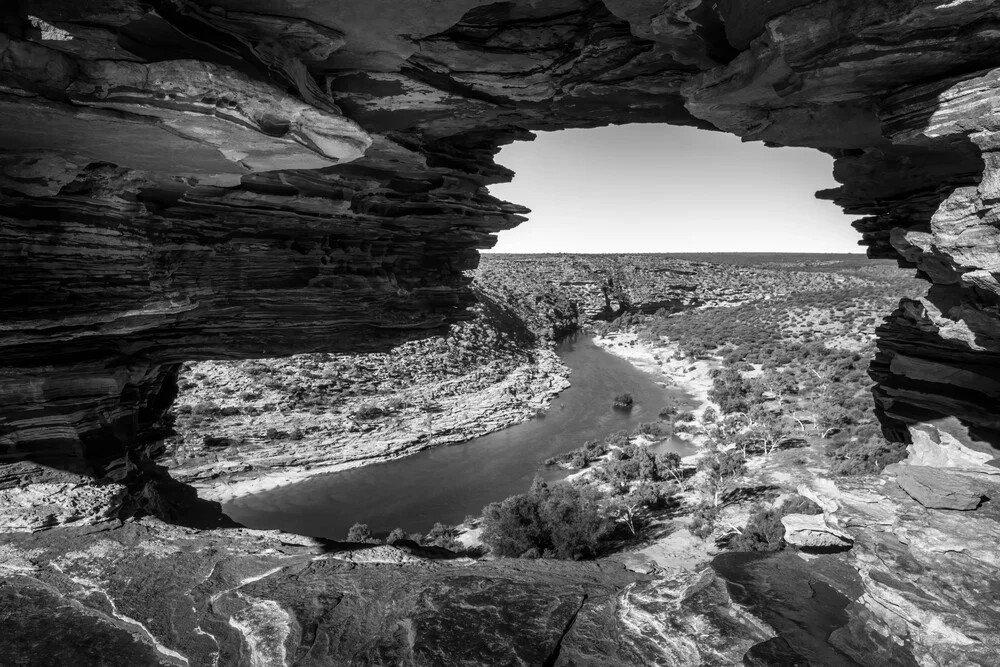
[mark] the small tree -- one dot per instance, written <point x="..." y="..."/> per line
<point x="395" y="534"/>
<point x="709" y="416"/>
<point x="359" y="532"/>
<point x="557" y="521"/>
<point x="629" y="509"/>
<point x="722" y="471"/>
<point x="669" y="466"/>
<point x="763" y="434"/>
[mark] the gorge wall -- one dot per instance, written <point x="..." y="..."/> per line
<point x="187" y="179"/>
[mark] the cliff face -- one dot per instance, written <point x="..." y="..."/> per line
<point x="191" y="180"/>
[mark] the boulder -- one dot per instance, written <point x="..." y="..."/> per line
<point x="812" y="530"/>
<point x="938" y="489"/>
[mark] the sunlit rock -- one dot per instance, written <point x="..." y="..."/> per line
<point x="937" y="489"/>
<point x="811" y="530"/>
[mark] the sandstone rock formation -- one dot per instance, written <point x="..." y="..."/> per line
<point x="186" y="180"/>
<point x="147" y="593"/>
<point x="937" y="489"/>
<point x="811" y="530"/>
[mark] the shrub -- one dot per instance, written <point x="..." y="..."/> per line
<point x="395" y="534"/>
<point x="650" y="430"/>
<point x="205" y="408"/>
<point x="396" y="403"/>
<point x="630" y="508"/>
<point x="444" y="536"/>
<point x="368" y="411"/>
<point x="668" y="413"/>
<point x="359" y="532"/>
<point x="722" y="470"/>
<point x="557" y="521"/>
<point x="617" y="439"/>
<point x="703" y="520"/>
<point x="580" y="459"/>
<point x="865" y="457"/>
<point x="623" y="401"/>
<point x="764" y="530"/>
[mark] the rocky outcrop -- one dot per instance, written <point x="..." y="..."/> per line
<point x="937" y="489"/>
<point x="811" y="530"/>
<point x="924" y="573"/>
<point x="183" y="182"/>
<point x="242" y="427"/>
<point x="146" y="593"/>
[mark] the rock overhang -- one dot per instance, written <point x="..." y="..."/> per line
<point x="189" y="180"/>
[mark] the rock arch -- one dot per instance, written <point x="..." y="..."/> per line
<point x="184" y="181"/>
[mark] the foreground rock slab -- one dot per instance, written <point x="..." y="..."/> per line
<point x="938" y="489"/>
<point x="148" y="593"/>
<point x="812" y="530"/>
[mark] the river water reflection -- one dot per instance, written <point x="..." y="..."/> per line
<point x="448" y="483"/>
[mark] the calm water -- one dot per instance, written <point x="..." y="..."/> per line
<point x="448" y="483"/>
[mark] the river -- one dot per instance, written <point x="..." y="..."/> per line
<point x="450" y="482"/>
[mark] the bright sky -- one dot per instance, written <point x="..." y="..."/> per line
<point x="661" y="188"/>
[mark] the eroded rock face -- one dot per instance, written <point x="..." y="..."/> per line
<point x="183" y="181"/>
<point x="146" y="593"/>
<point x="186" y="180"/>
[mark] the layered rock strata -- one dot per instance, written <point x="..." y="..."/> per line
<point x="185" y="180"/>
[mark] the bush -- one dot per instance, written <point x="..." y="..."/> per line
<point x="368" y="411"/>
<point x="703" y="520"/>
<point x="865" y="457"/>
<point x="580" y="459"/>
<point x="668" y="413"/>
<point x="396" y="403"/>
<point x="722" y="470"/>
<point x="205" y="408"/>
<point x="764" y="530"/>
<point x="623" y="401"/>
<point x="651" y="430"/>
<point x="395" y="534"/>
<point x="558" y="521"/>
<point x="444" y="536"/>
<point x="359" y="532"/>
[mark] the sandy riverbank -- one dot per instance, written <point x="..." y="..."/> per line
<point x="677" y="553"/>
<point x="306" y="442"/>
<point x="667" y="365"/>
